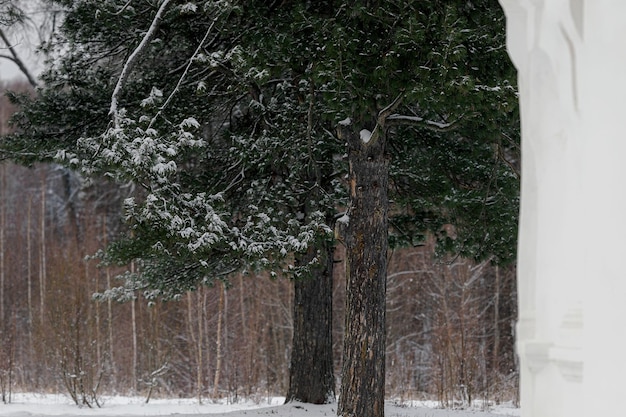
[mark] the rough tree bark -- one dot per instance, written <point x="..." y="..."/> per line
<point x="365" y="236"/>
<point x="311" y="377"/>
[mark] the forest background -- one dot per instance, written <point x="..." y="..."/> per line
<point x="449" y="319"/>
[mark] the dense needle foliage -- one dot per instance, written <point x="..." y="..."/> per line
<point x="227" y="121"/>
<point x="452" y="141"/>
<point x="224" y="114"/>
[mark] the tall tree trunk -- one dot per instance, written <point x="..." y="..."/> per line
<point x="363" y="374"/>
<point x="495" y="363"/>
<point x="311" y="375"/>
<point x="110" y="325"/>
<point x="3" y="208"/>
<point x="218" y="340"/>
<point x="29" y="277"/>
<point x="3" y="215"/>
<point x="245" y="337"/>
<point x="72" y="212"/>
<point x="196" y="342"/>
<point x="42" y="250"/>
<point x="107" y="272"/>
<point x="311" y="378"/>
<point x="133" y="317"/>
<point x="96" y="307"/>
<point x="200" y="297"/>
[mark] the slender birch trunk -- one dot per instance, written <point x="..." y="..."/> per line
<point x="218" y="341"/>
<point x="29" y="273"/>
<point x="3" y="215"/>
<point x="110" y="323"/>
<point x="107" y="273"/>
<point x="200" y="310"/>
<point x="42" y="251"/>
<point x="196" y="342"/>
<point x="496" y="323"/>
<point x="96" y="306"/>
<point x="244" y="333"/>
<point x="133" y="306"/>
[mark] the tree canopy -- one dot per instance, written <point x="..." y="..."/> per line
<point x="225" y="116"/>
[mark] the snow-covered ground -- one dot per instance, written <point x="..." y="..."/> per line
<point x="34" y="405"/>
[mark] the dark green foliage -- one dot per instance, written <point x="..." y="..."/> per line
<point x="452" y="156"/>
<point x="227" y="126"/>
<point x="268" y="88"/>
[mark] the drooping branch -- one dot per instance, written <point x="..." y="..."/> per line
<point x="17" y="60"/>
<point x="132" y="60"/>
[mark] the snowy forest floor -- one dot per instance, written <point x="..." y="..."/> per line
<point x="36" y="405"/>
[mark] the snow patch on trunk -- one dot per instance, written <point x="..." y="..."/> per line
<point x="366" y="135"/>
<point x="344" y="220"/>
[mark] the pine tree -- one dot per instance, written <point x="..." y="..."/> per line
<point x="252" y="126"/>
<point x="217" y="196"/>
<point x="423" y="99"/>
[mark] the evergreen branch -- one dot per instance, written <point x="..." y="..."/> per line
<point x="132" y="60"/>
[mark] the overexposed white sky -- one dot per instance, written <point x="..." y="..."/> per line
<point x="26" y="39"/>
<point x="25" y="46"/>
<point x="9" y="71"/>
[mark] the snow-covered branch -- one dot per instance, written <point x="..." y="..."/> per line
<point x="132" y="59"/>
<point x="398" y="119"/>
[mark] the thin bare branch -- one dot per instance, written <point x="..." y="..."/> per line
<point x="17" y="60"/>
<point x="132" y="60"/>
<point x="123" y="8"/>
<point x="182" y="77"/>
